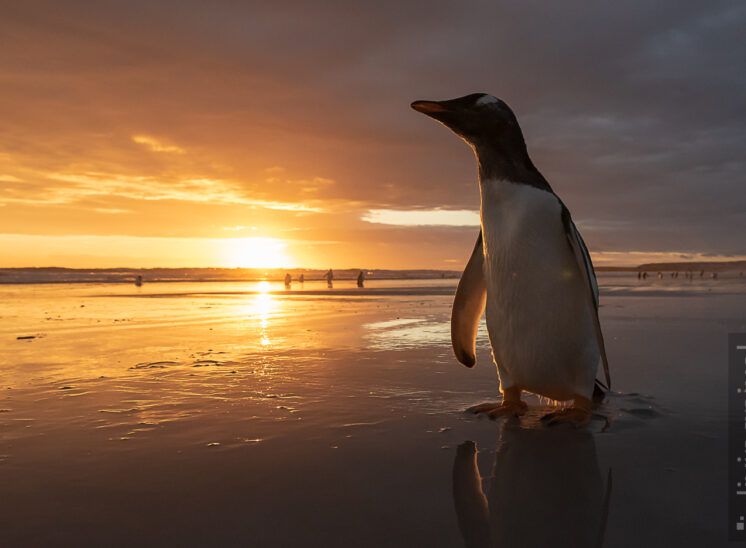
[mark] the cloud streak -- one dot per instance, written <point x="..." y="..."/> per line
<point x="430" y="217"/>
<point x="155" y="145"/>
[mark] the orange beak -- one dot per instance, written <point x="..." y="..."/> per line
<point x="428" y="107"/>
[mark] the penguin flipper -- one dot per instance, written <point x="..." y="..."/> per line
<point x="585" y="265"/>
<point x="468" y="306"/>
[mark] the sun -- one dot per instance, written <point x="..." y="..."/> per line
<point x="255" y="253"/>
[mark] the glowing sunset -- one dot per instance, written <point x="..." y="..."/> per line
<point x="384" y="274"/>
<point x="193" y="129"/>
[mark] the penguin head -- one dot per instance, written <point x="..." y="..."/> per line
<point x="483" y="121"/>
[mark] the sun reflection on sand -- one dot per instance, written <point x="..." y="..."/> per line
<point x="411" y="333"/>
<point x="262" y="307"/>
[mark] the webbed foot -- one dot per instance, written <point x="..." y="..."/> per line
<point x="512" y="405"/>
<point x="571" y="415"/>
<point x="579" y="414"/>
<point x="496" y="410"/>
<point x="509" y="409"/>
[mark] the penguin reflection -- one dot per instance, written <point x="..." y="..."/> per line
<point x="546" y="490"/>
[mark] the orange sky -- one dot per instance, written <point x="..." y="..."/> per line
<point x="143" y="135"/>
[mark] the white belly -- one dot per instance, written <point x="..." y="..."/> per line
<point x="538" y="317"/>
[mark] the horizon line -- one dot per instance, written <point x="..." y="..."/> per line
<point x="430" y="269"/>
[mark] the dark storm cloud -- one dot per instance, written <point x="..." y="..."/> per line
<point x="634" y="111"/>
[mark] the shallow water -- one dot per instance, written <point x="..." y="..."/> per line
<point x="243" y="414"/>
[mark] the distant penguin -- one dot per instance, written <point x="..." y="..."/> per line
<point x="529" y="267"/>
<point x="288" y="280"/>
<point x="138" y="281"/>
<point x="329" y="278"/>
<point x="639" y="275"/>
<point x="660" y="275"/>
<point x="301" y="278"/>
<point x="360" y="279"/>
<point x="644" y="275"/>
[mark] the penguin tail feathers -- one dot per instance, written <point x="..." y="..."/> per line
<point x="599" y="392"/>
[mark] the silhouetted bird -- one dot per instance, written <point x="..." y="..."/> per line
<point x="526" y="231"/>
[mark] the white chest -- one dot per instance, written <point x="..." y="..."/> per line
<point x="522" y="226"/>
<point x="537" y="318"/>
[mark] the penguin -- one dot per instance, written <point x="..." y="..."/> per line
<point x="530" y="271"/>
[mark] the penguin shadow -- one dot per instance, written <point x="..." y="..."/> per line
<point x="546" y="490"/>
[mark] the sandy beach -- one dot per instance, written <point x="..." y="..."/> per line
<point x="241" y="414"/>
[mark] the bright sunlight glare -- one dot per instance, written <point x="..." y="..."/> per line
<point x="255" y="253"/>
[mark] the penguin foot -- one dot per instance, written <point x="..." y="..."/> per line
<point x="577" y="416"/>
<point x="483" y="408"/>
<point x="496" y="410"/>
<point x="512" y="405"/>
<point x="509" y="409"/>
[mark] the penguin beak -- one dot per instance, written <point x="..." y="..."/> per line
<point x="431" y="108"/>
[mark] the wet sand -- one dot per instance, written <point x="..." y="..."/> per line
<point x="241" y="414"/>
